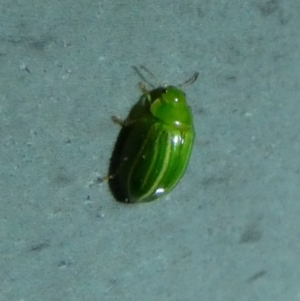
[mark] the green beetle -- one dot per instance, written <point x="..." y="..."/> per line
<point x="154" y="146"/>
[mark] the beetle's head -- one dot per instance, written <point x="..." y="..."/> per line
<point x="171" y="107"/>
<point x="173" y="96"/>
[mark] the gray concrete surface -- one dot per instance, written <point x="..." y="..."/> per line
<point x="230" y="231"/>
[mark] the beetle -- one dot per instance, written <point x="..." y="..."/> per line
<point x="154" y="145"/>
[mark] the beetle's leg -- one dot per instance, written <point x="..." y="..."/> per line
<point x="122" y="122"/>
<point x="99" y="180"/>
<point x="111" y="176"/>
<point x="143" y="88"/>
<point x="118" y="120"/>
<point x="106" y="178"/>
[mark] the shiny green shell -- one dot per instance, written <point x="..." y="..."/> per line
<point x="154" y="146"/>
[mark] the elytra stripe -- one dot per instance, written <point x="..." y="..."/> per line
<point x="152" y="165"/>
<point x="164" y="167"/>
<point x="177" y="161"/>
<point x="159" y="161"/>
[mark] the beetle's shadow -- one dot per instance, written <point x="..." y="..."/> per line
<point x="116" y="159"/>
<point x="115" y="162"/>
<point x="139" y="109"/>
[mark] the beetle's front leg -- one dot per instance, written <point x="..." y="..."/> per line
<point x="122" y="122"/>
<point x="143" y="88"/>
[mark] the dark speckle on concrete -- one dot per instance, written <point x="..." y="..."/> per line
<point x="257" y="275"/>
<point x="63" y="264"/>
<point x="39" y="247"/>
<point x="62" y="179"/>
<point x="251" y="234"/>
<point x="211" y="181"/>
<point x="269" y="7"/>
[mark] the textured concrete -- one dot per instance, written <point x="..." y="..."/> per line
<point x="230" y="231"/>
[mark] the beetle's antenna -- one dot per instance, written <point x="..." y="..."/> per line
<point x="148" y="71"/>
<point x="138" y="71"/>
<point x="189" y="81"/>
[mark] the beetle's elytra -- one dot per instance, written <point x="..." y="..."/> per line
<point x="154" y="146"/>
